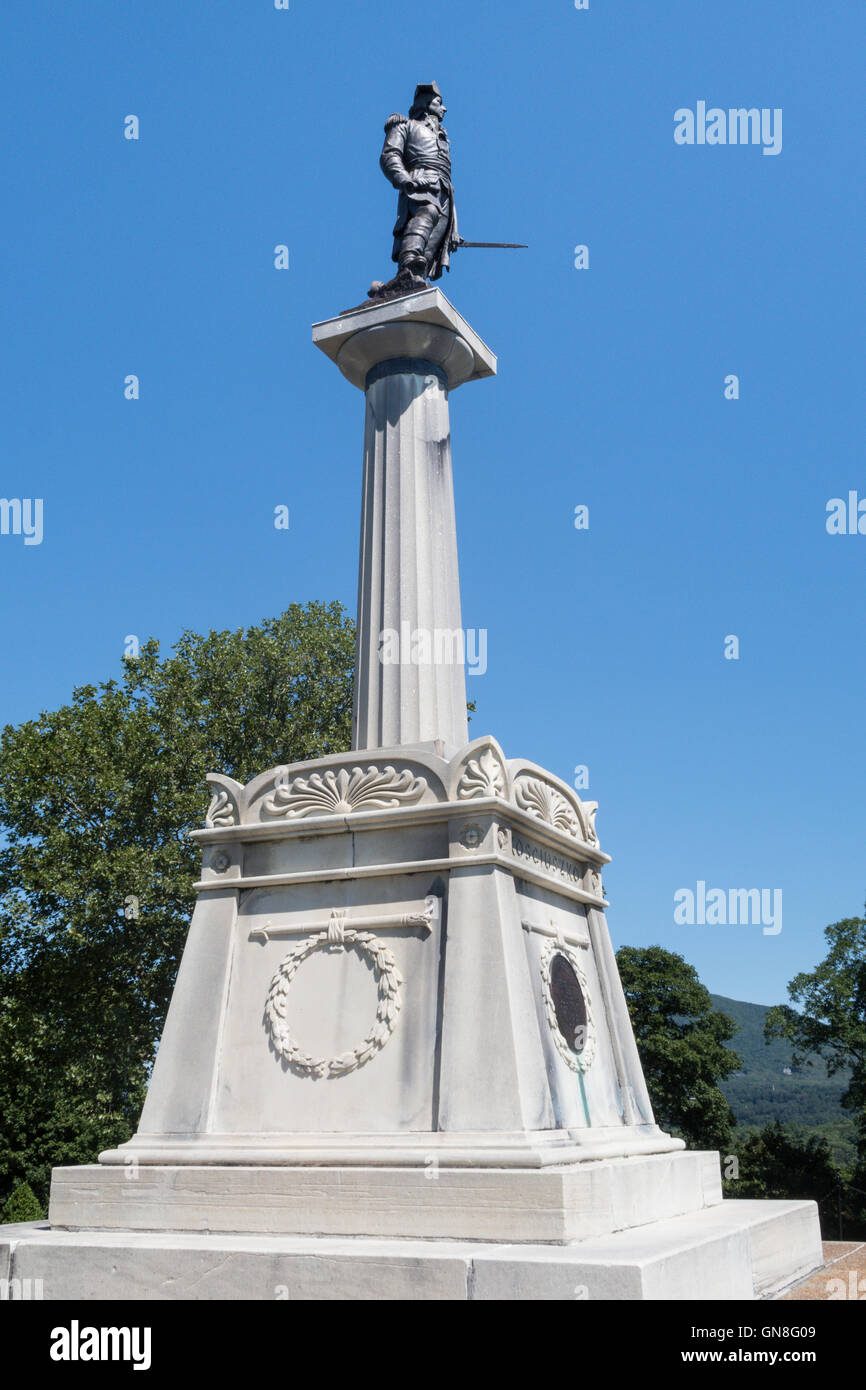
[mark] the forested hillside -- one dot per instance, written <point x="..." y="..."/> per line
<point x="765" y="1089"/>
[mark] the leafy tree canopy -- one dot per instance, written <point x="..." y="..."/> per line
<point x="680" y="1037"/>
<point x="777" y="1162"/>
<point x="96" y="870"/>
<point x="831" y="1019"/>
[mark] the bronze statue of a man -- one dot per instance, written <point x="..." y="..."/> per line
<point x="416" y="157"/>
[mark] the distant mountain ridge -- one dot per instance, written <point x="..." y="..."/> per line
<point x="762" y="1091"/>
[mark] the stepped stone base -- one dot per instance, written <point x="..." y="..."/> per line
<point x="556" y="1204"/>
<point x="734" y="1250"/>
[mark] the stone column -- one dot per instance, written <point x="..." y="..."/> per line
<point x="406" y="355"/>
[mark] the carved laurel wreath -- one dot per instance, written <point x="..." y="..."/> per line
<point x="388" y="979"/>
<point x="578" y="1061"/>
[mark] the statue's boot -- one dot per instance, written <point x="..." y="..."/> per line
<point x="413" y="265"/>
<point x="411" y="276"/>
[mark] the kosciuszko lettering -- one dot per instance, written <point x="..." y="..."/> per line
<point x="548" y="859"/>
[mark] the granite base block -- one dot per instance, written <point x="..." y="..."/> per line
<point x="731" y="1251"/>
<point x="559" y="1205"/>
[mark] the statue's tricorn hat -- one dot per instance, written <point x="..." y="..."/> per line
<point x="425" y="91"/>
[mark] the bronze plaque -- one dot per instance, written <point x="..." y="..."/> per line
<point x="569" y="1004"/>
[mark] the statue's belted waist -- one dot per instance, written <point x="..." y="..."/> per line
<point x="441" y="166"/>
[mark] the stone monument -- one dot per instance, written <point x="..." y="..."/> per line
<point x="398" y="1060"/>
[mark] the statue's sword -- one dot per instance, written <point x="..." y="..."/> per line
<point x="495" y="245"/>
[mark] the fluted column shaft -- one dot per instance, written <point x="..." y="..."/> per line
<point x="410" y="684"/>
<point x="407" y="355"/>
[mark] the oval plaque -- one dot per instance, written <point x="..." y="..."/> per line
<point x="569" y="1005"/>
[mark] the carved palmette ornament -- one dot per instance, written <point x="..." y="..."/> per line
<point x="222" y="809"/>
<point x="483" y="776"/>
<point x="543" y="801"/>
<point x="388" y="980"/>
<point x="338" y="792"/>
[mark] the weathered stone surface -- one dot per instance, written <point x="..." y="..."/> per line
<point x="784" y="1238"/>
<point x="727" y="1252"/>
<point x="556" y="1204"/>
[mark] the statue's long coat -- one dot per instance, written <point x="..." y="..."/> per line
<point x="420" y="144"/>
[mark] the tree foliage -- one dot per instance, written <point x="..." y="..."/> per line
<point x="680" y="1038"/>
<point x="778" y="1162"/>
<point x="21" y="1206"/>
<point x="96" y="870"/>
<point x="831" y="1019"/>
<point x="784" y="1161"/>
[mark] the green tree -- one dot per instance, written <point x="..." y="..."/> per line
<point x="21" y="1206"/>
<point x="780" y="1163"/>
<point x="855" y="1201"/>
<point x="831" y="1019"/>
<point x="680" y="1037"/>
<point x="96" y="870"/>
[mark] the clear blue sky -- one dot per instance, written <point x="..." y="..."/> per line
<point x="707" y="516"/>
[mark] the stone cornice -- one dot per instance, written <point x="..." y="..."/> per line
<point x="431" y="813"/>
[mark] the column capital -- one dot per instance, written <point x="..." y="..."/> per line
<point x="422" y="326"/>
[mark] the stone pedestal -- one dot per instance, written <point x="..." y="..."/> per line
<point x="369" y="976"/>
<point x="398" y="1060"/>
<point x="366" y="1059"/>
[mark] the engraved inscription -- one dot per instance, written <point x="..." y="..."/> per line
<point x="547" y="859"/>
